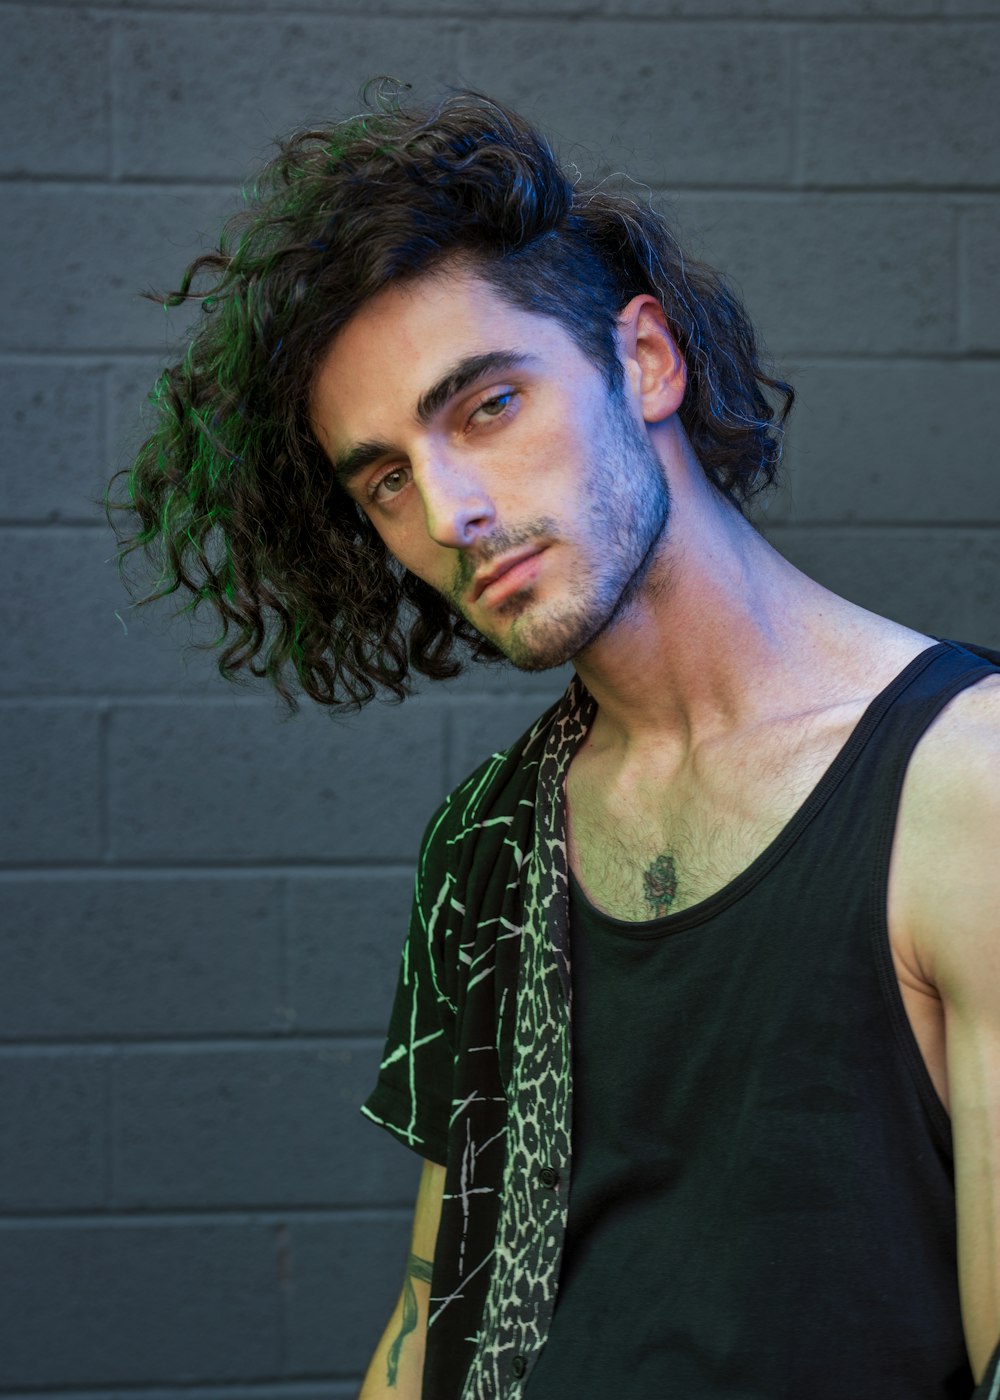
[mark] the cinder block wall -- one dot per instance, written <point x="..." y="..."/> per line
<point x="204" y="906"/>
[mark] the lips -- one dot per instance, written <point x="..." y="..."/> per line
<point x="483" y="581"/>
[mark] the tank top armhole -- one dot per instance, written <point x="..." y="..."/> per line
<point x="879" y="923"/>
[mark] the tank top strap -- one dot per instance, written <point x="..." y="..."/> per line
<point x="909" y="705"/>
<point x="883" y="741"/>
<point x="855" y="804"/>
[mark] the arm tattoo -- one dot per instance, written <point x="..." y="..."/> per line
<point x="660" y="882"/>
<point x="416" y="1268"/>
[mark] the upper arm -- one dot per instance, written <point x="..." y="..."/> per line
<point x="957" y="938"/>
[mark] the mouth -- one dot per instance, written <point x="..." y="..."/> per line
<point x="511" y="573"/>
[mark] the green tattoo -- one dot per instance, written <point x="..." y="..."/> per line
<point x="660" y="883"/>
<point x="416" y="1268"/>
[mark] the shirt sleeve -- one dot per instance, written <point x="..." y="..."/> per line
<point x="412" y="1096"/>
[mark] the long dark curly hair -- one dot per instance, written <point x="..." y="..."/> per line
<point x="231" y="493"/>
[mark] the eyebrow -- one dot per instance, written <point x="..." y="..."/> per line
<point x="468" y="371"/>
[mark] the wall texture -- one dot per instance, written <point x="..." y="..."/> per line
<point x="203" y="907"/>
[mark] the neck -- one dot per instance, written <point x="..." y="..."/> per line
<point x="726" y="635"/>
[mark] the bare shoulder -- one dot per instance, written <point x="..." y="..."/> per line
<point x="974" y="708"/>
<point x="957" y="747"/>
<point x="948" y="830"/>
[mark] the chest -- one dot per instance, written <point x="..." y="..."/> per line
<point x="650" y="848"/>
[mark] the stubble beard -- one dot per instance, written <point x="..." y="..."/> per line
<point x="628" y="510"/>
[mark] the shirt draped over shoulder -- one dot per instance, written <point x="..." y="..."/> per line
<point x="476" y="1072"/>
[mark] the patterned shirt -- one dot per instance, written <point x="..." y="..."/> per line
<point x="476" y="1074"/>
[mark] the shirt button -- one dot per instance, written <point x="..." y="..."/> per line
<point x="518" y="1366"/>
<point x="548" y="1176"/>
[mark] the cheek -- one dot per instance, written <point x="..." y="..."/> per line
<point x="552" y="454"/>
<point x="411" y="545"/>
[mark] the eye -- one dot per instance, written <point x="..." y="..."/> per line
<point x="376" y="485"/>
<point x="497" y="407"/>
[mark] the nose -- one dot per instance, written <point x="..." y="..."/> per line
<point x="457" y="505"/>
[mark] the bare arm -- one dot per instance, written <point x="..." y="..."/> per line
<point x="397" y="1368"/>
<point x="955" y="932"/>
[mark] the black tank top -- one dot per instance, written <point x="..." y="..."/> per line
<point x="762" y="1203"/>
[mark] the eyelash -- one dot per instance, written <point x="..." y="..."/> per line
<point x="510" y="394"/>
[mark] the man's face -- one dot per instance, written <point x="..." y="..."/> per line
<point x="526" y="450"/>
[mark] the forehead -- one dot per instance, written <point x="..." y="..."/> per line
<point x="456" y="298"/>
<point x="401" y="340"/>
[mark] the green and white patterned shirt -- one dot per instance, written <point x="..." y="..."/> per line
<point x="476" y="1074"/>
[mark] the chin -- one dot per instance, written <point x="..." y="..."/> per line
<point x="543" y="649"/>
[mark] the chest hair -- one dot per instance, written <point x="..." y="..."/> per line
<point x="659" y="849"/>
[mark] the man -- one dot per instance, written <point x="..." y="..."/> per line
<point x="697" y="1027"/>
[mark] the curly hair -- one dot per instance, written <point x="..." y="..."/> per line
<point x="232" y="493"/>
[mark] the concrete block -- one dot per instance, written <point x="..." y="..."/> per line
<point x="53" y="1131"/>
<point x="832" y="274"/>
<point x="502" y="681"/>
<point x="971" y="7"/>
<point x="660" y="9"/>
<point x="415" y="9"/>
<point x="489" y="726"/>
<point x="928" y="91"/>
<point x="258" y="1125"/>
<point x="49" y="784"/>
<point x="945" y="583"/>
<point x="52" y="457"/>
<point x="345" y="937"/>
<point x="72" y="630"/>
<point x="896" y="442"/>
<point x="202" y="97"/>
<point x="771" y="9"/>
<point x="115" y="955"/>
<point x="240" y="784"/>
<point x="979" y="273"/>
<point x="121" y="1303"/>
<point x="84" y="256"/>
<point x="344" y="1278"/>
<point x="130" y="415"/>
<point x="55" y="100"/>
<point x="722" y="117"/>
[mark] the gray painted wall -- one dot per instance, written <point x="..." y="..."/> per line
<point x="204" y="907"/>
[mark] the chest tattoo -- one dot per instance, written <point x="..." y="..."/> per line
<point x="660" y="885"/>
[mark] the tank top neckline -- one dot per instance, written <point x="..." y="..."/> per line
<point x="742" y="883"/>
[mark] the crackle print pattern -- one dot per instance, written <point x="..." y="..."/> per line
<point x="480" y="1012"/>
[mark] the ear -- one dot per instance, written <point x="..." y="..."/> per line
<point x="654" y="366"/>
